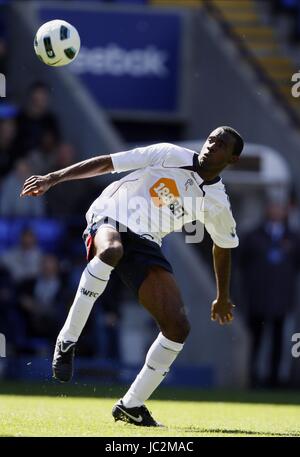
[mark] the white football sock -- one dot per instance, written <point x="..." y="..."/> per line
<point x="92" y="284"/>
<point x="159" y="358"/>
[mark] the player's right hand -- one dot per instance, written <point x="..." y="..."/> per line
<point x="36" y="186"/>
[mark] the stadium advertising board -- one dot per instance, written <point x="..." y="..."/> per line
<point x="129" y="60"/>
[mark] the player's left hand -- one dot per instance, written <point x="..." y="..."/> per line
<point x="222" y="311"/>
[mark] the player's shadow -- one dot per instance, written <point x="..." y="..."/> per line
<point x="234" y="432"/>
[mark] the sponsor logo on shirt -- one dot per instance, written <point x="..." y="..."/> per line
<point x="165" y="193"/>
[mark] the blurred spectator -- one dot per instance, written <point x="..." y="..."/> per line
<point x="3" y="55"/>
<point x="294" y="211"/>
<point x="290" y="8"/>
<point x="11" y="324"/>
<point x="8" y="149"/>
<point x="40" y="303"/>
<point x="36" y="118"/>
<point x="3" y="42"/>
<point x="6" y="296"/>
<point x="7" y="291"/>
<point x="66" y="200"/>
<point x="23" y="260"/>
<point x="42" y="159"/>
<point x="11" y="204"/>
<point x="270" y="263"/>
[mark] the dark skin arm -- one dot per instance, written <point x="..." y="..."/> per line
<point x="222" y="307"/>
<point x="38" y="185"/>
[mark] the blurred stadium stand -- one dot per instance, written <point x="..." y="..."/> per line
<point x="249" y="25"/>
<point x="225" y="62"/>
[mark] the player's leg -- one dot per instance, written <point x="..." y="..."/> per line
<point x="160" y="295"/>
<point x="106" y="252"/>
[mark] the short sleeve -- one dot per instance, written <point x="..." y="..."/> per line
<point x="221" y="226"/>
<point x="137" y="158"/>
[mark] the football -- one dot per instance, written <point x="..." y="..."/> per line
<point x="57" y="43"/>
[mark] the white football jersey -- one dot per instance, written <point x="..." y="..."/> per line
<point x="164" y="193"/>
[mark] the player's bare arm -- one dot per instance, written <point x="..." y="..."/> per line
<point x="38" y="185"/>
<point x="222" y="307"/>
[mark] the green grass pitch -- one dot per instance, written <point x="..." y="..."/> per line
<point x="55" y="410"/>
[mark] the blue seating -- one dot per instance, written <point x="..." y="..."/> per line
<point x="49" y="232"/>
<point x="290" y="3"/>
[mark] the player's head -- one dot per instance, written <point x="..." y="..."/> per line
<point x="222" y="147"/>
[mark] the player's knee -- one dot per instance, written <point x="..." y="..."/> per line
<point x="178" y="330"/>
<point x="184" y="329"/>
<point x="111" y="254"/>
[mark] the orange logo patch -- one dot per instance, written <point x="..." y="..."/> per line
<point x="164" y="192"/>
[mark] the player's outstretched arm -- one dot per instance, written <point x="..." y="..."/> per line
<point x="38" y="185"/>
<point x="222" y="307"/>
